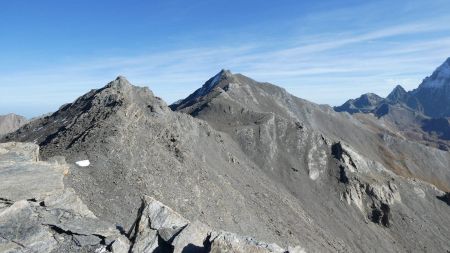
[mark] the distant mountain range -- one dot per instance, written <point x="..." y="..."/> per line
<point x="421" y="114"/>
<point x="250" y="158"/>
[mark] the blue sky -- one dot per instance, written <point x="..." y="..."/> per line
<point x="51" y="52"/>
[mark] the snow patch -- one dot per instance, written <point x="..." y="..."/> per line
<point x="83" y="163"/>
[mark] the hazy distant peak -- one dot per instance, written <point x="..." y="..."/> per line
<point x="448" y="61"/>
<point x="10" y="122"/>
<point x="369" y="99"/>
<point x="439" y="78"/>
<point x="397" y="93"/>
<point x="399" y="88"/>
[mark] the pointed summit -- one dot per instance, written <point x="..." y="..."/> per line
<point x="365" y="103"/>
<point x="221" y="79"/>
<point x="439" y="78"/>
<point x="120" y="83"/>
<point x="397" y="94"/>
<point x="399" y="88"/>
<point x="215" y="80"/>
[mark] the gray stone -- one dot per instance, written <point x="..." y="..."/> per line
<point x="21" y="230"/>
<point x="68" y="200"/>
<point x="120" y="245"/>
<point x="23" y="177"/>
<point x="192" y="238"/>
<point x="156" y="221"/>
<point x="222" y="242"/>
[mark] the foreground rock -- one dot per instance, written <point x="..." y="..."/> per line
<point x="38" y="214"/>
<point x="160" y="229"/>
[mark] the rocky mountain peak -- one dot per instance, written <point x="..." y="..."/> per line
<point x="364" y="103"/>
<point x="120" y="83"/>
<point x="397" y="93"/>
<point x="121" y="91"/>
<point x="371" y="97"/>
<point x="221" y="79"/>
<point x="100" y="108"/>
<point x="399" y="89"/>
<point x="439" y="78"/>
<point x="223" y="75"/>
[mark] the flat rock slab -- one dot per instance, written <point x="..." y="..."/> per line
<point x="22" y="232"/>
<point x="30" y="181"/>
<point x="19" y="152"/>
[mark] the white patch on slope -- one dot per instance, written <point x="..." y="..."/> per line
<point x="317" y="161"/>
<point x="83" y="163"/>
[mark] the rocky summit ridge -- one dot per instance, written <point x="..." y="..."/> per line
<point x="245" y="157"/>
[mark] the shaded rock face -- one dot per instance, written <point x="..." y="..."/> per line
<point x="255" y="160"/>
<point x="445" y="197"/>
<point x="10" y="123"/>
<point x="439" y="127"/>
<point x="434" y="92"/>
<point x="373" y="196"/>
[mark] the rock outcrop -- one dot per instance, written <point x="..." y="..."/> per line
<point x="39" y="214"/>
<point x="160" y="229"/>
